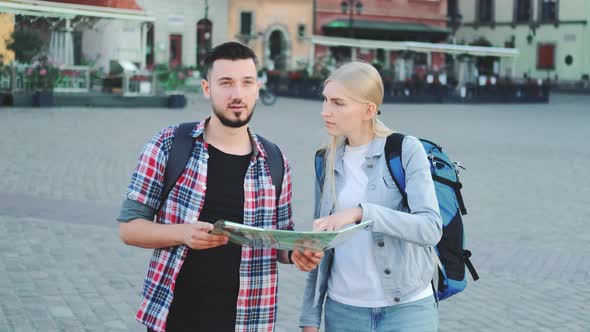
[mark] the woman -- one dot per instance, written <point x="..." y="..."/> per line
<point x="380" y="280"/>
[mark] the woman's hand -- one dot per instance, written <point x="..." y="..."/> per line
<point x="338" y="220"/>
<point x="310" y="329"/>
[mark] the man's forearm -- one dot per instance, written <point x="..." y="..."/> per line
<point x="148" y="234"/>
<point x="283" y="257"/>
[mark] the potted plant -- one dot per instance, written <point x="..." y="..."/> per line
<point x="172" y="79"/>
<point x="43" y="75"/>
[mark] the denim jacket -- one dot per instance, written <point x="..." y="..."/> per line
<point x="402" y="239"/>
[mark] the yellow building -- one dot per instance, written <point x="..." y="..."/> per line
<point x="6" y="29"/>
<point x="552" y="36"/>
<point x="279" y="31"/>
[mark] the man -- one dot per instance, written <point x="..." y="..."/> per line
<point x="197" y="281"/>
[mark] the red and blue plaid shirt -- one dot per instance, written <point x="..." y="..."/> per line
<point x="257" y="301"/>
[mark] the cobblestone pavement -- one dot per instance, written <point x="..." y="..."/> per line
<point x="64" y="172"/>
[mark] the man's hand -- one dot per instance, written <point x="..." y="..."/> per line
<point x="197" y="236"/>
<point x="338" y="220"/>
<point x="307" y="260"/>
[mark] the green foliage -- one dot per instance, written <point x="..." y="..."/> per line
<point x="26" y="44"/>
<point x="172" y="78"/>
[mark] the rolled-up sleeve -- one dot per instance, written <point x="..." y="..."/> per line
<point x="423" y="225"/>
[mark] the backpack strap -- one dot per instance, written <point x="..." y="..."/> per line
<point x="319" y="161"/>
<point x="393" y="157"/>
<point x="180" y="152"/>
<point x="276" y="165"/>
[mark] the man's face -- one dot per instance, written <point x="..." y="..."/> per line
<point x="232" y="87"/>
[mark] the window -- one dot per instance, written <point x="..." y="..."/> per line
<point x="485" y="11"/>
<point x="546" y="57"/>
<point x="548" y="10"/>
<point x="523" y="11"/>
<point x="246" y="23"/>
<point x="301" y="31"/>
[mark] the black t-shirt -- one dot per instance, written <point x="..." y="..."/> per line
<point x="207" y="286"/>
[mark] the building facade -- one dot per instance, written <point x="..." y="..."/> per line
<point x="278" y="30"/>
<point x="179" y="34"/>
<point x="382" y="20"/>
<point x="173" y="35"/>
<point x="552" y="36"/>
<point x="6" y="29"/>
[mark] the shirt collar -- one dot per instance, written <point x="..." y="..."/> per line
<point x="257" y="148"/>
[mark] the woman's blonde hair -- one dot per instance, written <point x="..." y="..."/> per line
<point x="363" y="84"/>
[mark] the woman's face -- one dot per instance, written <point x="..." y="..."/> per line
<point x="342" y="115"/>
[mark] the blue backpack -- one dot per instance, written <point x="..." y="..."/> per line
<point x="451" y="253"/>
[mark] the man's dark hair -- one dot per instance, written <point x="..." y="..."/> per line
<point x="227" y="51"/>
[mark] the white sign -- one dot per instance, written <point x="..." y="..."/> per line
<point x="483" y="80"/>
<point x="145" y="88"/>
<point x="176" y="20"/>
<point x="569" y="37"/>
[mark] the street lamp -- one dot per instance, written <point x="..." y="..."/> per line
<point x="348" y="7"/>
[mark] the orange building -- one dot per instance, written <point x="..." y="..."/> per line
<point x="278" y="30"/>
<point x="6" y="29"/>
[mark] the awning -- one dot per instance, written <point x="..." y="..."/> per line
<point x="416" y="46"/>
<point x="385" y="26"/>
<point x="65" y="10"/>
<point x="385" y="30"/>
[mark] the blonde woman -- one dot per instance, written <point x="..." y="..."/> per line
<point x="380" y="280"/>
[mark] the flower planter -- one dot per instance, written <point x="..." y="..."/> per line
<point x="43" y="99"/>
<point x="176" y="101"/>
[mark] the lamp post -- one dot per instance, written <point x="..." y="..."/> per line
<point x="454" y="19"/>
<point x="348" y="7"/>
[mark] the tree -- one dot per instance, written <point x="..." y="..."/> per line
<point x="26" y="44"/>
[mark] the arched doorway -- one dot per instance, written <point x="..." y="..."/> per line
<point x="204" y="30"/>
<point x="278" y="48"/>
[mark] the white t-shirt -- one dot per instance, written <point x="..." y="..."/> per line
<point x="354" y="279"/>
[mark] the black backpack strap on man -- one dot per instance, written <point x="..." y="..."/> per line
<point x="180" y="152"/>
<point x="276" y="165"/>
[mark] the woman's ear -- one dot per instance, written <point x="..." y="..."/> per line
<point x="371" y="111"/>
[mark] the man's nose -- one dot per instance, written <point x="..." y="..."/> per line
<point x="236" y="92"/>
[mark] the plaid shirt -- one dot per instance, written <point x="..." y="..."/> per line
<point x="257" y="302"/>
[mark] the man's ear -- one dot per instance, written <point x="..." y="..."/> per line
<point x="206" y="88"/>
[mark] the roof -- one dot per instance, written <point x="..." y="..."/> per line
<point x="121" y="4"/>
<point x="70" y="10"/>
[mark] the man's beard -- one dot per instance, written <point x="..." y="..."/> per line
<point x="233" y="123"/>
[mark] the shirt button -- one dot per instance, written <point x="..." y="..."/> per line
<point x="206" y="156"/>
<point x="204" y="187"/>
<point x="381" y="244"/>
<point x="387" y="271"/>
<point x="396" y="299"/>
<point x="369" y="165"/>
<point x="372" y="186"/>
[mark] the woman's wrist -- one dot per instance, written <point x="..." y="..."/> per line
<point x="358" y="215"/>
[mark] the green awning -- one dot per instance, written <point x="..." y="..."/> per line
<point x="390" y="26"/>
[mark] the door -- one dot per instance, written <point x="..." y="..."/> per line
<point x="175" y="50"/>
